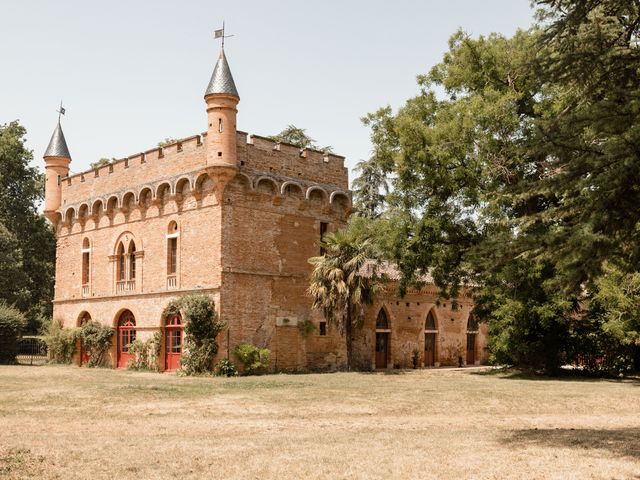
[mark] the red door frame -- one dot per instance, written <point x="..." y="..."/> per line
<point x="125" y="335"/>
<point x="382" y="356"/>
<point x="172" y="348"/>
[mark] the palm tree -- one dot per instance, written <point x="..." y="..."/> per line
<point x="343" y="280"/>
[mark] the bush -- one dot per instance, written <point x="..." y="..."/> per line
<point x="201" y="327"/>
<point x="225" y="368"/>
<point x="96" y="341"/>
<point x="253" y="358"/>
<point x="12" y="323"/>
<point x="61" y="341"/>
<point x="146" y="353"/>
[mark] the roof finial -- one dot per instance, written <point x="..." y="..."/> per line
<point x="220" y="34"/>
<point x="60" y="111"/>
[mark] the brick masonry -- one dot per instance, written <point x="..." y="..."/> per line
<point x="244" y="237"/>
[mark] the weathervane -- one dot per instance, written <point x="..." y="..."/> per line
<point x="220" y="34"/>
<point x="60" y="111"/>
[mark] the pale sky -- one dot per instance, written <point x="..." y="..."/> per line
<point x="131" y="73"/>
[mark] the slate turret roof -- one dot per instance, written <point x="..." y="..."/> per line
<point x="221" y="79"/>
<point x="57" y="145"/>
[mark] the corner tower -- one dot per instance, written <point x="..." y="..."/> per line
<point x="56" y="167"/>
<point x="222" y="99"/>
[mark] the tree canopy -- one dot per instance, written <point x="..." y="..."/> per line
<point x="298" y="137"/>
<point x="28" y="256"/>
<point x="515" y="171"/>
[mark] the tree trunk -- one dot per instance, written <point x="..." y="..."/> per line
<point x="347" y="330"/>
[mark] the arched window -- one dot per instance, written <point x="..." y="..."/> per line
<point x="382" y="322"/>
<point x="472" y="323"/>
<point x="86" y="263"/>
<point x="132" y="260"/>
<point x="172" y="255"/>
<point x="121" y="265"/>
<point x="430" y="323"/>
<point x="382" y="340"/>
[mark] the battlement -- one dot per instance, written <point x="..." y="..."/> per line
<point x="255" y="153"/>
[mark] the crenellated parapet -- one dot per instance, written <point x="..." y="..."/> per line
<point x="192" y="183"/>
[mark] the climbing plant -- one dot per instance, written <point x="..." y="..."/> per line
<point x="96" y="341"/>
<point x="201" y="327"/>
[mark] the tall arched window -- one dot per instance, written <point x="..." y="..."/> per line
<point x="172" y="255"/>
<point x="430" y="335"/>
<point x="472" y="332"/>
<point x="382" y="339"/>
<point x="121" y="265"/>
<point x="86" y="265"/>
<point x="132" y="260"/>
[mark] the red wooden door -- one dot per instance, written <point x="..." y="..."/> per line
<point x="382" y="349"/>
<point x="126" y="335"/>
<point x="429" y="349"/>
<point x="172" y="343"/>
<point x="471" y="348"/>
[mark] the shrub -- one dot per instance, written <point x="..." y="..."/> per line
<point x="61" y="341"/>
<point x="201" y="327"/>
<point x="146" y="353"/>
<point x="12" y="323"/>
<point x="306" y="327"/>
<point x="225" y="368"/>
<point x="254" y="359"/>
<point x="96" y="341"/>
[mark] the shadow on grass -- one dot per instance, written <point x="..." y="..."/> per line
<point x="566" y="376"/>
<point x="621" y="442"/>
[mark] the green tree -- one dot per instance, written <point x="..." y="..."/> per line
<point x="100" y="163"/>
<point x="298" y="137"/>
<point x="339" y="284"/>
<point x="167" y="141"/>
<point x="21" y="192"/>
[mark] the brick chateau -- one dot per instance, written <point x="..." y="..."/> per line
<point x="234" y="216"/>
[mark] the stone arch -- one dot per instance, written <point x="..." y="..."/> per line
<point x="261" y="181"/>
<point x="145" y="196"/>
<point x="83" y="211"/>
<point x="69" y="215"/>
<point x="289" y="186"/>
<point x="245" y="179"/>
<point x="162" y="189"/>
<point x="128" y="200"/>
<point x="202" y="183"/>
<point x="339" y="194"/>
<point x="125" y="238"/>
<point x="97" y="207"/>
<point x="180" y="183"/>
<point x="316" y="188"/>
<point x="112" y="203"/>
<point x="83" y="317"/>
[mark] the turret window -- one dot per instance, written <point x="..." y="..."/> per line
<point x="220" y="125"/>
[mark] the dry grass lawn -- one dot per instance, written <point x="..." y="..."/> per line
<point x="67" y="423"/>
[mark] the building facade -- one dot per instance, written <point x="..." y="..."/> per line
<point x="236" y="217"/>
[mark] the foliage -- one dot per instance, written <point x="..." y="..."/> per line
<point x="12" y="323"/>
<point x="100" y="163"/>
<point x="298" y="137"/>
<point x="306" y="327"/>
<point x="342" y="282"/>
<point x="21" y="191"/>
<point x="518" y="157"/>
<point x="167" y="141"/>
<point x="254" y="359"/>
<point x="224" y="368"/>
<point x="146" y="352"/>
<point x="61" y="341"/>
<point x="96" y="341"/>
<point x="201" y="327"/>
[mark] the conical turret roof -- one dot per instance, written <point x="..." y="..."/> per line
<point x="221" y="79"/>
<point x="57" y="145"/>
